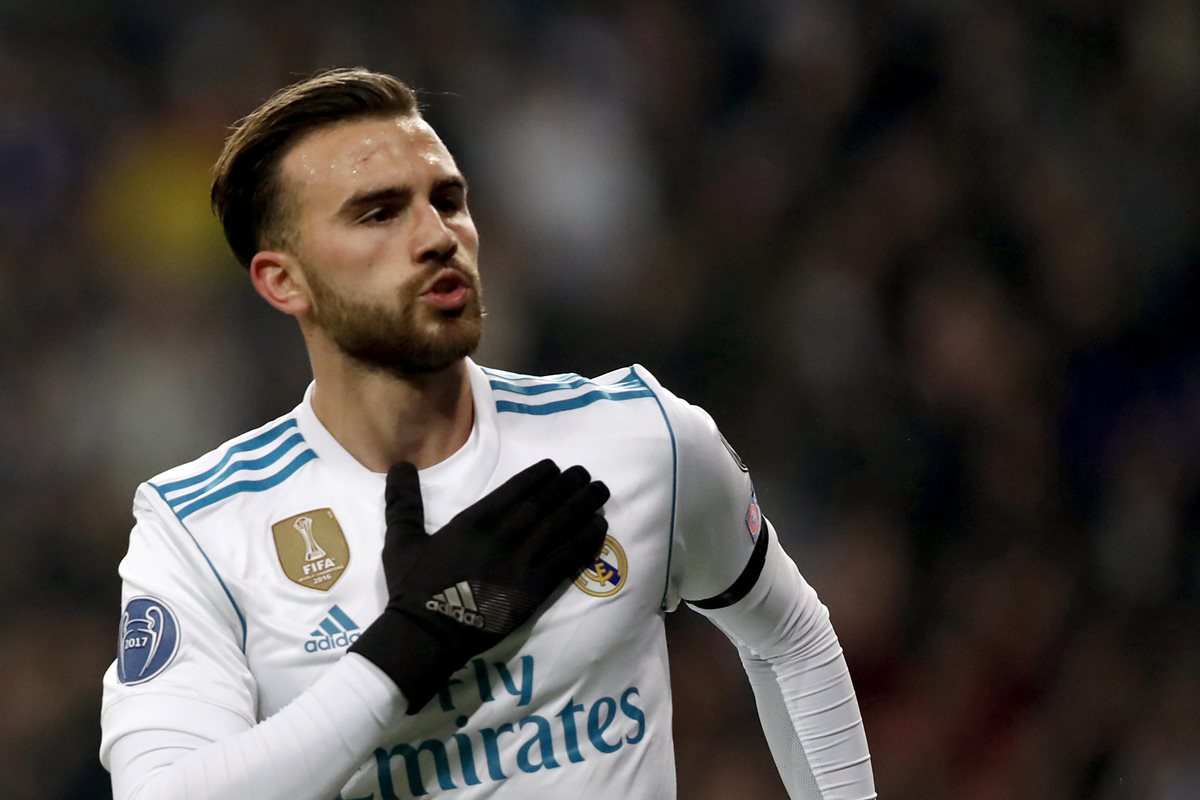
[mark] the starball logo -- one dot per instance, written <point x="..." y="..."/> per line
<point x="148" y="642"/>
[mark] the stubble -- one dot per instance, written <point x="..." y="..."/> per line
<point x="403" y="337"/>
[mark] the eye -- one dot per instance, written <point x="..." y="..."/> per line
<point x="377" y="215"/>
<point x="450" y="201"/>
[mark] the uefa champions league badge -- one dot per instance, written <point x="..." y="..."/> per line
<point x="753" y="518"/>
<point x="149" y="640"/>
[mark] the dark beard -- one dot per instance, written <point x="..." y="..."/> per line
<point x="404" y="339"/>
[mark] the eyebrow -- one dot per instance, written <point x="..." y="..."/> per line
<point x="396" y="194"/>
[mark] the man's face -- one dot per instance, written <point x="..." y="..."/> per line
<point x="386" y="243"/>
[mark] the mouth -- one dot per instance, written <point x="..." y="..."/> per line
<point x="448" y="290"/>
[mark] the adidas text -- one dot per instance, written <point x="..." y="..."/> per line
<point x="458" y="613"/>
<point x="331" y="642"/>
<point x="336" y="631"/>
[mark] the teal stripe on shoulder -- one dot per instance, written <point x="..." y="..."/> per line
<point x="241" y="466"/>
<point x="541" y="409"/>
<point x="630" y="387"/>
<point x="250" y="444"/>
<point x="537" y="388"/>
<point x="237" y="487"/>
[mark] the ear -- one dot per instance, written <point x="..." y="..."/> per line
<point x="277" y="276"/>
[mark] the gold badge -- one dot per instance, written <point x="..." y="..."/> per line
<point x="608" y="574"/>
<point x="312" y="548"/>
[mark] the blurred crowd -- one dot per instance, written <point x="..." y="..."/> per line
<point x="929" y="264"/>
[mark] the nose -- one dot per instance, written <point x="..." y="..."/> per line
<point x="433" y="241"/>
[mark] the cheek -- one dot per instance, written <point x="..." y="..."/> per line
<point x="351" y="255"/>
<point x="468" y="237"/>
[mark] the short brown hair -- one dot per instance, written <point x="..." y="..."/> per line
<point x="246" y="194"/>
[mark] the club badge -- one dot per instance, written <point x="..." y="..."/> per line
<point x="148" y="642"/>
<point x="608" y="574"/>
<point x="312" y="549"/>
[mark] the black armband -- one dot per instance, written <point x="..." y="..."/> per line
<point x="745" y="582"/>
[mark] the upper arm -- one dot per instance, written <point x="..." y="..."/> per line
<point x="718" y="520"/>
<point x="180" y="642"/>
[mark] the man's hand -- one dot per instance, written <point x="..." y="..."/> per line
<point x="460" y="591"/>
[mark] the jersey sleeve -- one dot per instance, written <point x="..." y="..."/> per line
<point x="727" y="564"/>
<point x="802" y="686"/>
<point x="179" y="715"/>
<point x="181" y="636"/>
<point x="717" y="518"/>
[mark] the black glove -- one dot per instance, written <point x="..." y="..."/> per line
<point x="458" y="592"/>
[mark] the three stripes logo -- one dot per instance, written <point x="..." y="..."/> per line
<point x="337" y="630"/>
<point x="458" y="603"/>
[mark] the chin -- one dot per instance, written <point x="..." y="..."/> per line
<point x="437" y="353"/>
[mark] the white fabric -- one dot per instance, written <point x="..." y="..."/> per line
<point x="308" y="749"/>
<point x="805" y="698"/>
<point x="255" y="694"/>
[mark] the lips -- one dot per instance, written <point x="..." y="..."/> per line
<point x="446" y="281"/>
<point x="448" y="290"/>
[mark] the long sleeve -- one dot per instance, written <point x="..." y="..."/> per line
<point x="179" y="717"/>
<point x="801" y="683"/>
<point x="727" y="564"/>
<point x="307" y="751"/>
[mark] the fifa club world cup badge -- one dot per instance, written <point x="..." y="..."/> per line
<point x="148" y="642"/>
<point x="312" y="549"/>
<point x="753" y="518"/>
<point x="608" y="574"/>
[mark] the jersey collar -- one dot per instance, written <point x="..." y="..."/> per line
<point x="465" y="474"/>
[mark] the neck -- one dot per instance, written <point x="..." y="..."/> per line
<point x="381" y="419"/>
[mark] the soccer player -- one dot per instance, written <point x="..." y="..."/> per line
<point x="432" y="578"/>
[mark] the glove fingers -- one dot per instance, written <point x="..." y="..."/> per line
<point x="403" y="507"/>
<point x="582" y="503"/>
<point x="543" y="503"/>
<point x="575" y="531"/>
<point x="577" y="550"/>
<point x="591" y="498"/>
<point x="498" y="502"/>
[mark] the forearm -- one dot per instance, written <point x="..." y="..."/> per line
<point x="801" y="683"/>
<point x="307" y="750"/>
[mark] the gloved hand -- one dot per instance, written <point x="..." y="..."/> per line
<point x="458" y="592"/>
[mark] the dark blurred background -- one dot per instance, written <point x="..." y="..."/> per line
<point x="929" y="264"/>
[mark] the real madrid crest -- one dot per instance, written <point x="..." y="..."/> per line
<point x="608" y="573"/>
<point x="312" y="548"/>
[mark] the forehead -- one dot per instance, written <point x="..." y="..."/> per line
<point x="334" y="162"/>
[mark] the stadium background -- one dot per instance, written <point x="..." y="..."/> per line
<point x="929" y="264"/>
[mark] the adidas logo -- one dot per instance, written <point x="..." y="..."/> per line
<point x="336" y="630"/>
<point x="458" y="603"/>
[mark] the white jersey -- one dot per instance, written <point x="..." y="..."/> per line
<point x="253" y="568"/>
